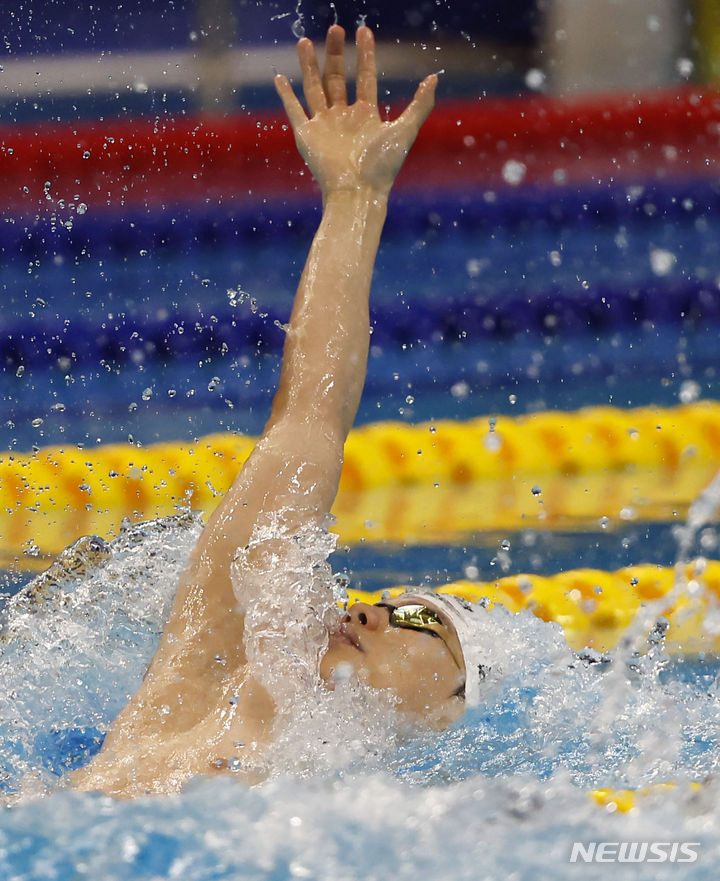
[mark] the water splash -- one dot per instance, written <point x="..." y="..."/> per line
<point x="297" y="27"/>
<point x="701" y="511"/>
<point x="506" y="783"/>
<point x="74" y="645"/>
<point x="286" y="589"/>
<point x="641" y="649"/>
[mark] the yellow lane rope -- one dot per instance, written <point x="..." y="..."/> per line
<point x="595" y="462"/>
<point x="594" y="607"/>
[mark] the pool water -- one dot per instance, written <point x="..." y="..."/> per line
<point x="461" y="326"/>
<point x="503" y="793"/>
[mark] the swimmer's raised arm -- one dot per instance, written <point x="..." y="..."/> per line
<point x="354" y="156"/>
<point x="180" y="717"/>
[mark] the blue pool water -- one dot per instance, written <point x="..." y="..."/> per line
<point x="503" y="794"/>
<point x="503" y="789"/>
<point x="461" y="327"/>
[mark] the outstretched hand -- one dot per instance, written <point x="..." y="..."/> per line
<point x="350" y="147"/>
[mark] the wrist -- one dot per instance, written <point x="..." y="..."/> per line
<point x="358" y="196"/>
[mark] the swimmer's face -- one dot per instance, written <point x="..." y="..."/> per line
<point x="416" y="665"/>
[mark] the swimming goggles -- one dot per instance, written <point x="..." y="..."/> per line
<point x="419" y="617"/>
<point x="416" y="617"/>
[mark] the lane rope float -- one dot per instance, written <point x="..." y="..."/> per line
<point x="594" y="607"/>
<point x="660" y="457"/>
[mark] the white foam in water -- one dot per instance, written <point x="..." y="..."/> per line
<point x="351" y="794"/>
<point x="289" y="603"/>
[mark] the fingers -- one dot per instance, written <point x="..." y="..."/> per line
<point x="334" y="78"/>
<point x="366" y="68"/>
<point x="293" y="108"/>
<point x="419" y="108"/>
<point x="312" y="82"/>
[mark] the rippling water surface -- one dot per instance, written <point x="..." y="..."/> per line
<point x="504" y="793"/>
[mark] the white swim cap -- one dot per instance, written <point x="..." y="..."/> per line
<point x="468" y="622"/>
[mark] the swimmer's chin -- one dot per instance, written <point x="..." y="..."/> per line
<point x="342" y="663"/>
<point x="339" y="663"/>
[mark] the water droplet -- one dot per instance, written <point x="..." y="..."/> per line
<point x="474" y="266"/>
<point x="604" y="522"/>
<point x="409" y="399"/>
<point x="81" y="208"/>
<point x="492" y="442"/>
<point x="708" y="540"/>
<point x="536" y="491"/>
<point x="699" y="566"/>
<point x="659" y="631"/>
<point x="684" y="67"/>
<point x="662" y="261"/>
<point x="19" y="372"/>
<point x="37" y="422"/>
<point x="505" y="544"/>
<point x="86" y="154"/>
<point x="534" y="78"/>
<point x="31" y="549"/>
<point x="460" y="390"/>
<point x="147" y="394"/>
<point x="514" y="172"/>
<point x="298" y="29"/>
<point x="344" y="672"/>
<point x="689" y="391"/>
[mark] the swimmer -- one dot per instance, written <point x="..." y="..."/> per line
<point x="177" y="726"/>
